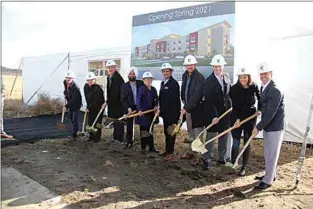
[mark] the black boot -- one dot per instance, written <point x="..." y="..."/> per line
<point x="242" y="171"/>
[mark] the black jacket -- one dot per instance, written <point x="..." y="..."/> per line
<point x="216" y="102"/>
<point x="272" y="108"/>
<point x="115" y="105"/>
<point x="127" y="96"/>
<point x="243" y="101"/>
<point x="169" y="100"/>
<point x="94" y="96"/>
<point x="72" y="96"/>
<point x="195" y="105"/>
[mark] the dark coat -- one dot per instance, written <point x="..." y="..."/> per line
<point x="127" y="96"/>
<point x="272" y="108"/>
<point x="115" y="105"/>
<point x="94" y="96"/>
<point x="244" y="101"/>
<point x="146" y="100"/>
<point x="169" y="100"/>
<point x="195" y="104"/>
<point x="216" y="102"/>
<point x="72" y="96"/>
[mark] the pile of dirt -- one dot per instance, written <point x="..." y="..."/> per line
<point x="104" y="175"/>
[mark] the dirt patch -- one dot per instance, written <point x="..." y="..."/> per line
<point x="103" y="175"/>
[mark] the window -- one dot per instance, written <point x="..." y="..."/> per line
<point x="193" y="39"/>
<point x="179" y="42"/>
<point x="174" y="43"/>
<point x="174" y="49"/>
<point x="101" y="72"/>
<point x="179" y="48"/>
<point x="192" y="47"/>
<point x="187" y="47"/>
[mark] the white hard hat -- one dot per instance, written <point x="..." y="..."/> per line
<point x="110" y="63"/>
<point x="263" y="68"/>
<point x="218" y="60"/>
<point x="147" y="75"/>
<point x="69" y="74"/>
<point x="133" y="69"/>
<point x="90" y="76"/>
<point x="190" y="60"/>
<point x="243" y="71"/>
<point x="166" y="66"/>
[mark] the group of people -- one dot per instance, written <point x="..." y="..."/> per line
<point x="203" y="101"/>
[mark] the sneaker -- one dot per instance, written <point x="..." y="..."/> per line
<point x="242" y="172"/>
<point x="169" y="157"/>
<point x="5" y="135"/>
<point x="143" y="151"/>
<point x="154" y="150"/>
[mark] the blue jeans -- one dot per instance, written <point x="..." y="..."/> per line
<point x="74" y="119"/>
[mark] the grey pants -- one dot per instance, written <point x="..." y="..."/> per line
<point x="272" y="145"/>
<point x="192" y="132"/>
<point x="222" y="147"/>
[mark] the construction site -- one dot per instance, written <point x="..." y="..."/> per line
<point x="43" y="166"/>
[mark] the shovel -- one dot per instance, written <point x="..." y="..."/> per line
<point x="119" y="120"/>
<point x="151" y="126"/>
<point x="200" y="147"/>
<point x="82" y="133"/>
<point x="175" y="128"/>
<point x="61" y="125"/>
<point x="197" y="142"/>
<point x="242" y="151"/>
<point x="92" y="128"/>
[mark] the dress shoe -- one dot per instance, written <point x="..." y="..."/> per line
<point x="261" y="177"/>
<point x="187" y="156"/>
<point x="154" y="150"/>
<point x="242" y="172"/>
<point x="169" y="157"/>
<point x="262" y="185"/>
<point x="206" y="164"/>
<point x="143" y="151"/>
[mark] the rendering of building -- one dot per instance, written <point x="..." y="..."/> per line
<point x="208" y="41"/>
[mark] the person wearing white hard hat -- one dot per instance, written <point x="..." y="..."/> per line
<point x="244" y="95"/>
<point x="169" y="108"/>
<point x="192" y="98"/>
<point x="217" y="101"/>
<point x="73" y="99"/>
<point x="113" y="101"/>
<point x="129" y="94"/>
<point x="147" y="99"/>
<point x="272" y="123"/>
<point x="94" y="96"/>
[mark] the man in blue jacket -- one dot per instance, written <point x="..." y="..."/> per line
<point x="73" y="99"/>
<point x="272" y="123"/>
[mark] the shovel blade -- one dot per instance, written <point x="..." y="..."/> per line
<point x="195" y="146"/>
<point x="170" y="129"/>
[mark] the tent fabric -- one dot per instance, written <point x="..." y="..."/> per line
<point x="31" y="129"/>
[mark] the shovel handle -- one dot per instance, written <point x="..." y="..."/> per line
<point x="63" y="111"/>
<point x="84" y="122"/>
<point x="243" y="149"/>
<point x="212" y="124"/>
<point x="230" y="129"/>
<point x="94" y="123"/>
<point x="154" y="118"/>
<point x="137" y="114"/>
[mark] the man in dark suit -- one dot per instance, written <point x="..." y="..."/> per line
<point x="114" y="102"/>
<point x="217" y="101"/>
<point x="192" y="97"/>
<point x="74" y="100"/>
<point x="272" y="123"/>
<point x="128" y="96"/>
<point x="170" y="106"/>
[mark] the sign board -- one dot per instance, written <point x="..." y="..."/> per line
<point x="168" y="36"/>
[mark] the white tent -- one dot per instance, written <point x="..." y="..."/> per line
<point x="277" y="33"/>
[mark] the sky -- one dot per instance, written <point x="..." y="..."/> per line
<point x="41" y="28"/>
<point x="141" y="35"/>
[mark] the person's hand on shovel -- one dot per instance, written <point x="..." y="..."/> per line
<point x="157" y="111"/>
<point x="140" y="113"/>
<point x="64" y="109"/>
<point x="129" y="111"/>
<point x="237" y="123"/>
<point x="215" y="121"/>
<point x="183" y="111"/>
<point x="255" y="131"/>
<point x="86" y="110"/>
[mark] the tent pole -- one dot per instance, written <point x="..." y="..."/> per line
<point x="15" y="78"/>
<point x="304" y="144"/>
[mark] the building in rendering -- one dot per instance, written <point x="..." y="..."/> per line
<point x="208" y="41"/>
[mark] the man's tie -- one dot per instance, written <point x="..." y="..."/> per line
<point x="261" y="89"/>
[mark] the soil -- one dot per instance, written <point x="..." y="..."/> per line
<point x="103" y="175"/>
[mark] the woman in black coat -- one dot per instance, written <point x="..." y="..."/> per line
<point x="95" y="100"/>
<point x="243" y="94"/>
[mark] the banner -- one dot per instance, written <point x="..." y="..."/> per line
<point x="168" y="36"/>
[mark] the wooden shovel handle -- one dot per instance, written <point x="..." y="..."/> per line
<point x="84" y="121"/>
<point x="154" y="118"/>
<point x="243" y="149"/>
<point x="137" y="114"/>
<point x="230" y="129"/>
<point x="63" y="111"/>
<point x="94" y="123"/>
